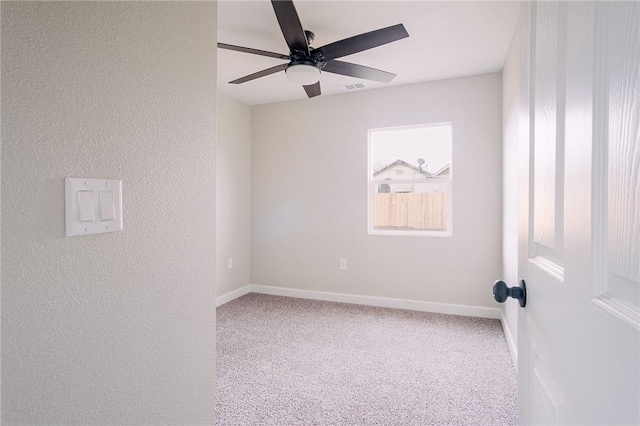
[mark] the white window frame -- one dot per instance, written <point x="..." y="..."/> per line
<point x="373" y="187"/>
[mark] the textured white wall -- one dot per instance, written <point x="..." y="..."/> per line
<point x="511" y="129"/>
<point x="115" y="328"/>
<point x="233" y="195"/>
<point x="309" y="194"/>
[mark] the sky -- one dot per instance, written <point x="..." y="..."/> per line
<point x="431" y="143"/>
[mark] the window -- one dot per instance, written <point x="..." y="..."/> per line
<point x="410" y="180"/>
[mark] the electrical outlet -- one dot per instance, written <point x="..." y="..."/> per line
<point x="343" y="264"/>
<point x="230" y="263"/>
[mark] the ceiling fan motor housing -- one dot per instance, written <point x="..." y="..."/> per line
<point x="304" y="61"/>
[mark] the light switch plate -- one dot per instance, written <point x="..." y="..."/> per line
<point x="92" y="206"/>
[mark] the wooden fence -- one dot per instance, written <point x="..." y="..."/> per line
<point x="417" y="211"/>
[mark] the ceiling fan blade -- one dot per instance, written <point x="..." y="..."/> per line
<point x="259" y="74"/>
<point x="253" y="51"/>
<point x="358" y="71"/>
<point x="290" y="25"/>
<point x="362" y="42"/>
<point x="312" y="90"/>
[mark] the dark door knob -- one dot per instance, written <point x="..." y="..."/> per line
<point x="501" y="292"/>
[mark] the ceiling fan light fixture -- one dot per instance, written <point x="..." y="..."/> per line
<point x="304" y="74"/>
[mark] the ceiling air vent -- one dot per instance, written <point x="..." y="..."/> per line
<point x="354" y="86"/>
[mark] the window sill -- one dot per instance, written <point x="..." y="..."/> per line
<point x="400" y="233"/>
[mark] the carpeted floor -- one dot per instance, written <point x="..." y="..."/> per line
<point x="285" y="361"/>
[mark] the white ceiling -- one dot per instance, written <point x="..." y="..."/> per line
<point x="446" y="39"/>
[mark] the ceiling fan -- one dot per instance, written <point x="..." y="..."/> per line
<point x="306" y="63"/>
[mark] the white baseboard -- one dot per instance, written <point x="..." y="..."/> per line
<point x="383" y="302"/>
<point x="228" y="297"/>
<point x="513" y="346"/>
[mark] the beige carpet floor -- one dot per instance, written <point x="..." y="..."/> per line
<point x="285" y="361"/>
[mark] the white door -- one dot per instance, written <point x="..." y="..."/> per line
<point x="579" y="335"/>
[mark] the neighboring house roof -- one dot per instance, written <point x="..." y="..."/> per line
<point x="442" y="171"/>
<point x="402" y="163"/>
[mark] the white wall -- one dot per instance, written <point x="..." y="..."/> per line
<point x="511" y="129"/>
<point x="114" y="328"/>
<point x="233" y="195"/>
<point x="309" y="194"/>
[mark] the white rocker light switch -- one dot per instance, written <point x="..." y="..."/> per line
<point x="93" y="206"/>
<point x="85" y="206"/>
<point x="107" y="210"/>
